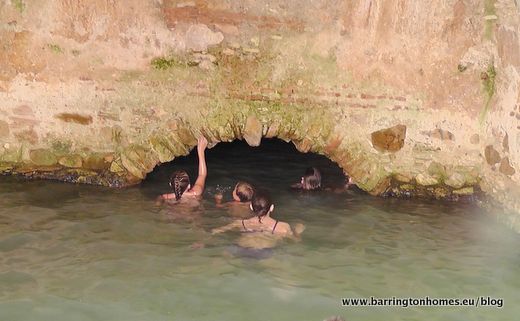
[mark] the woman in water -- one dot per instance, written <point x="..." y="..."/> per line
<point x="310" y="181"/>
<point x="180" y="181"/>
<point x="262" y="223"/>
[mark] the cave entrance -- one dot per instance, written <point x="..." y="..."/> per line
<point x="274" y="166"/>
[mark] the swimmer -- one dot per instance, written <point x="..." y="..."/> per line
<point x="242" y="195"/>
<point x="180" y="181"/>
<point x="310" y="181"/>
<point x="262" y="207"/>
<point x="348" y="184"/>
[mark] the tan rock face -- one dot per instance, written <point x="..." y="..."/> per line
<point x="426" y="180"/>
<point x="43" y="157"/>
<point x="97" y="161"/>
<point x="253" y="131"/>
<point x="492" y="155"/>
<point x="199" y="37"/>
<point x="506" y="168"/>
<point x="464" y="191"/>
<point x="73" y="161"/>
<point x="505" y="143"/>
<point x="474" y="139"/>
<point x="457" y="180"/>
<point x="410" y="99"/>
<point x="440" y="134"/>
<point x="23" y="110"/>
<point x="75" y="118"/>
<point x="389" y="139"/>
<point x="27" y="135"/>
<point x="4" y="129"/>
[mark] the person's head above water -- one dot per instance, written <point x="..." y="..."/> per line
<point x="243" y="192"/>
<point x="261" y="204"/>
<point x="180" y="182"/>
<point x="311" y="180"/>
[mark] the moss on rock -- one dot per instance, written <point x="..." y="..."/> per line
<point x="97" y="161"/>
<point x="42" y="157"/>
<point x="12" y="155"/>
<point x="425" y="179"/>
<point x="72" y="161"/>
<point x="464" y="191"/>
<point x="138" y="160"/>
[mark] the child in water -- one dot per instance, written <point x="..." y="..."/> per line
<point x="180" y="181"/>
<point x="242" y="195"/>
<point x="262" y="207"/>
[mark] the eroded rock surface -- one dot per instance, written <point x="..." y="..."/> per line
<point x="410" y="99"/>
<point x="389" y="139"/>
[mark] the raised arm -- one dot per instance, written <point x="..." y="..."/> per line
<point x="198" y="188"/>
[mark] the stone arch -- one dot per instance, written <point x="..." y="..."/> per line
<point x="368" y="158"/>
<point x="311" y="130"/>
<point x="380" y="159"/>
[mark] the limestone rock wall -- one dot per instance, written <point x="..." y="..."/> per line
<point x="410" y="98"/>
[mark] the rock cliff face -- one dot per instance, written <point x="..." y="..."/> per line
<point x="409" y="98"/>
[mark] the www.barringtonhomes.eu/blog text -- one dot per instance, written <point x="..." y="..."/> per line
<point x="405" y="302"/>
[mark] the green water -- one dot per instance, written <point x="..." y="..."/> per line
<point x="72" y="252"/>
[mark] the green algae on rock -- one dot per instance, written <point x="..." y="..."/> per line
<point x="72" y="161"/>
<point x="42" y="157"/>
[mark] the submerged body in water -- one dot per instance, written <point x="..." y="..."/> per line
<point x="261" y="222"/>
<point x="260" y="233"/>
<point x="254" y="246"/>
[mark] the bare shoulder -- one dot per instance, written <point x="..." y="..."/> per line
<point x="193" y="192"/>
<point x="283" y="228"/>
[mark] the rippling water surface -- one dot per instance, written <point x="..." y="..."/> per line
<point x="72" y="252"/>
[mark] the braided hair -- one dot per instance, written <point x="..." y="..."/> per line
<point x="179" y="181"/>
<point x="261" y="204"/>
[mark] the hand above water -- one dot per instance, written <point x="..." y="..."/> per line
<point x="202" y="143"/>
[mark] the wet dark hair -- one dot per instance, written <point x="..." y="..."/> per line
<point x="244" y="191"/>
<point x="311" y="179"/>
<point x="261" y="204"/>
<point x="179" y="181"/>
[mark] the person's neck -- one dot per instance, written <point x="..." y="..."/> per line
<point x="266" y="217"/>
